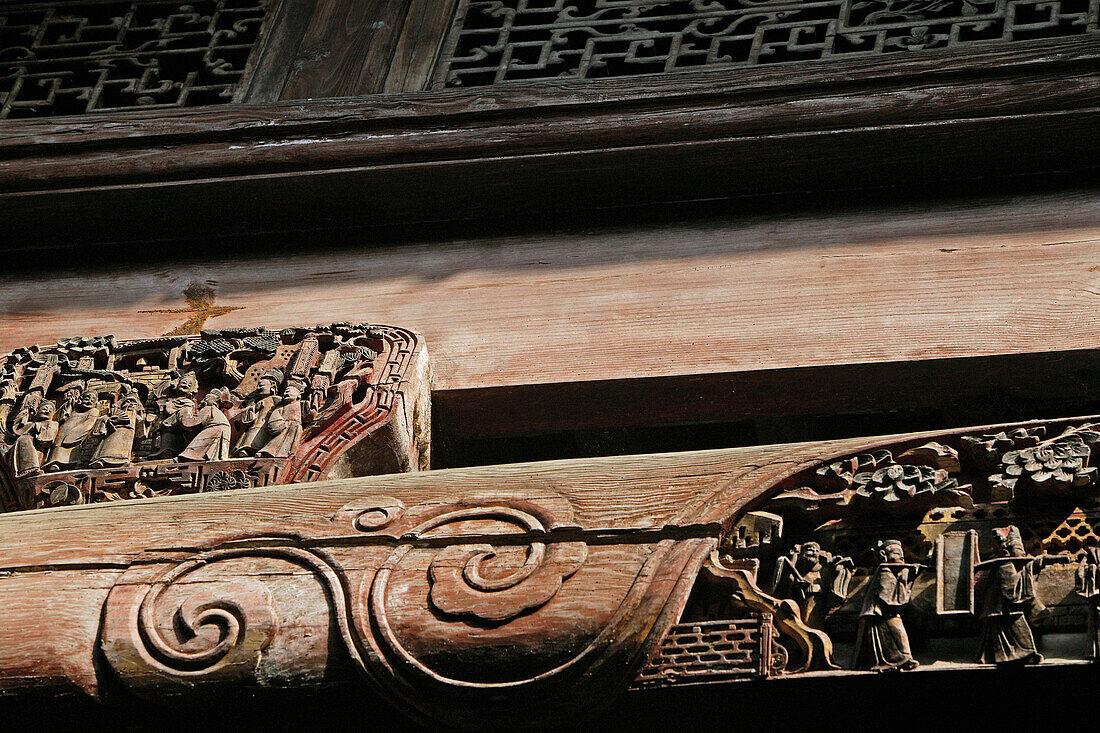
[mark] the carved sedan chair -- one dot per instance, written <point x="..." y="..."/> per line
<point x="238" y="519"/>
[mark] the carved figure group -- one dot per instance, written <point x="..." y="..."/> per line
<point x="1021" y="474"/>
<point x="1010" y="599"/>
<point x="67" y="418"/>
<point x="271" y="424"/>
<point x="817" y="582"/>
<point x="183" y="428"/>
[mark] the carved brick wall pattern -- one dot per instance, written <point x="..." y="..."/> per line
<point x="709" y="650"/>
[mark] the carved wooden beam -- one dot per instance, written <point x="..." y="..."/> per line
<point x="462" y="596"/>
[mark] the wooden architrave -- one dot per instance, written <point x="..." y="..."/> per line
<point x="548" y="146"/>
<point x="467" y="598"/>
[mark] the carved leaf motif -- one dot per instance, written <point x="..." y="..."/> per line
<point x="1053" y="467"/>
<point x="918" y="480"/>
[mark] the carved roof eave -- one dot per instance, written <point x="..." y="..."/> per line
<point x="392" y="564"/>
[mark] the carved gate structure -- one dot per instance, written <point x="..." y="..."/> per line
<point x="763" y="361"/>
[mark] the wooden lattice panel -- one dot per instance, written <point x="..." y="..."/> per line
<point x="62" y="58"/>
<point x="494" y="41"/>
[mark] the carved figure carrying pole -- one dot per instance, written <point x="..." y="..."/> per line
<point x="1010" y="597"/>
<point x="882" y="643"/>
<point x="1087" y="586"/>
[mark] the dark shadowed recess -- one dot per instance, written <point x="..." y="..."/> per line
<point x="695" y="412"/>
<point x="1021" y="698"/>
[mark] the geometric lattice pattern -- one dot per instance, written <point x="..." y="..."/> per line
<point x="66" y="58"/>
<point x="495" y="41"/>
<point x="709" y="650"/>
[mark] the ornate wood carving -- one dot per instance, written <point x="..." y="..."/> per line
<point x="495" y="41"/>
<point x="94" y="419"/>
<point x="460" y="609"/>
<point x="813" y="650"/>
<point x="464" y="595"/>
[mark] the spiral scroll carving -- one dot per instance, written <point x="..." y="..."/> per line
<point x="225" y="617"/>
<point x="462" y="587"/>
<point x="219" y="628"/>
<point x="218" y="616"/>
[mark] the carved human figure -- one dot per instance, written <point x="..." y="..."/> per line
<point x="211" y="443"/>
<point x="8" y="394"/>
<point x="882" y="643"/>
<point x="37" y="430"/>
<point x="74" y="430"/>
<point x="814" y="579"/>
<point x="284" y="423"/>
<point x="253" y="416"/>
<point x="1087" y="586"/>
<point x="1010" y="597"/>
<point x="121" y="426"/>
<point x="339" y="395"/>
<point x="174" y="398"/>
<point x="70" y="399"/>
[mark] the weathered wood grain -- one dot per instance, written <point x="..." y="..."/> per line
<point x="451" y="156"/>
<point x="346" y="49"/>
<point x="421" y="38"/>
<point x="913" y="283"/>
<point x="267" y="69"/>
<point x="621" y="493"/>
<point x="681" y="90"/>
<point x="360" y="140"/>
